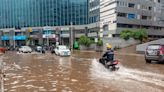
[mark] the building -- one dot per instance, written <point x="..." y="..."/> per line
<point x="94" y="11"/>
<point x="42" y="21"/>
<point x="45" y="22"/>
<point x="118" y="15"/>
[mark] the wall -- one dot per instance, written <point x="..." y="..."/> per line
<point x="118" y="42"/>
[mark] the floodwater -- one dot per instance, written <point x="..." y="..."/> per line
<point x="80" y="73"/>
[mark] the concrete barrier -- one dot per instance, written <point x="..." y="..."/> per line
<point x="119" y="42"/>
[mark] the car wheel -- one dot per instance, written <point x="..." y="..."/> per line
<point x="148" y="61"/>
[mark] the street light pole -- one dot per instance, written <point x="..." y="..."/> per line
<point x="71" y="38"/>
<point x="47" y="39"/>
<point x="14" y="38"/>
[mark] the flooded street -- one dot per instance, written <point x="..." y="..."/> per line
<point x="80" y="73"/>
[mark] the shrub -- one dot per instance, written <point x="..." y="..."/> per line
<point x="140" y="35"/>
<point x="84" y="40"/>
<point x="126" y="34"/>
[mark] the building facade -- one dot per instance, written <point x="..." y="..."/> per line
<point x="118" y="15"/>
<point x="38" y="13"/>
<point x="37" y="20"/>
<point x="45" y="22"/>
<point x="94" y="11"/>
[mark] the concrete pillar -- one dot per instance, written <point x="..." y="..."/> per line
<point x="86" y="31"/>
<point x="1" y="34"/>
<point x="27" y="33"/>
<point x="74" y="38"/>
<point x="11" y="35"/>
<point x="40" y="35"/>
<point x="60" y="39"/>
<point x="58" y="36"/>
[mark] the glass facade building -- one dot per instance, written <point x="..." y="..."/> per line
<point x="94" y="11"/>
<point x="38" y="13"/>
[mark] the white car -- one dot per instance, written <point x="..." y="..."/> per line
<point x="62" y="50"/>
<point x="25" y="49"/>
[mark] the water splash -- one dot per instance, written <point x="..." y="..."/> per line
<point x="99" y="71"/>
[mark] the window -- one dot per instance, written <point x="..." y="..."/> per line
<point x="131" y="16"/>
<point x="144" y="17"/>
<point x="121" y="14"/>
<point x="150" y="8"/>
<point x="131" y="5"/>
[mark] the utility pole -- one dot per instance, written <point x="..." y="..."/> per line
<point x="71" y="37"/>
<point x="14" y="38"/>
<point x="47" y="38"/>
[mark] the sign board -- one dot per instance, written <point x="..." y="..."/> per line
<point x="20" y="37"/>
<point x="66" y="28"/>
<point x="47" y="28"/>
<point x="30" y="30"/>
<point x="96" y="40"/>
<point x="101" y="35"/>
<point x="65" y="35"/>
<point x="49" y="36"/>
<point x="110" y="35"/>
<point x="17" y="30"/>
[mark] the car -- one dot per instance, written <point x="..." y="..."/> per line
<point x="40" y="49"/>
<point x="3" y="50"/>
<point x="25" y="49"/>
<point x="154" y="52"/>
<point x="62" y="50"/>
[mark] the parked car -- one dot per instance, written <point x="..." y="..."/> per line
<point x="3" y="50"/>
<point x="154" y="52"/>
<point x="25" y="49"/>
<point x="62" y="50"/>
<point x="40" y="49"/>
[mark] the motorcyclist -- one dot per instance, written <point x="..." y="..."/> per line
<point x="108" y="57"/>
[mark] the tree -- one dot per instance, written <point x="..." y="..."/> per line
<point x="126" y="34"/>
<point x="140" y="34"/>
<point x="84" y="40"/>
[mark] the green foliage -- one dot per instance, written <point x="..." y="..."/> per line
<point x="100" y="42"/>
<point x="126" y="34"/>
<point x="140" y="35"/>
<point x="84" y="40"/>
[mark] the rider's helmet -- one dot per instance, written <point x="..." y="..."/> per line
<point x="108" y="46"/>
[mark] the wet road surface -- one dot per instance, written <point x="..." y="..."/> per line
<point x="80" y="73"/>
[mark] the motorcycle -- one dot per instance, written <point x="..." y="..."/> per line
<point x="110" y="65"/>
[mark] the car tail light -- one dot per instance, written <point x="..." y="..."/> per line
<point x="161" y="51"/>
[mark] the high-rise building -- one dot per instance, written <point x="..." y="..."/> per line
<point x="38" y="13"/>
<point x="17" y="17"/>
<point x="46" y="22"/>
<point x="94" y="11"/>
<point x="118" y="15"/>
